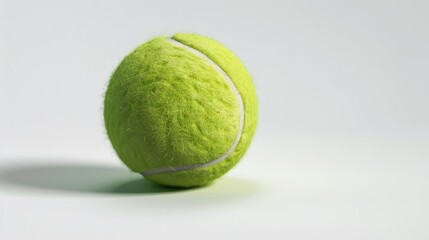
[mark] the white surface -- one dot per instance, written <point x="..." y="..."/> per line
<point x="334" y="190"/>
<point x="341" y="150"/>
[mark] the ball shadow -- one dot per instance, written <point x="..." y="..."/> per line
<point x="81" y="178"/>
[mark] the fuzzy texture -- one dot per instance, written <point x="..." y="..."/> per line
<point x="166" y="107"/>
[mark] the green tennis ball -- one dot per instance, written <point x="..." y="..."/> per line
<point x="181" y="111"/>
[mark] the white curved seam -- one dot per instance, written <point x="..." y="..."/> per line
<point x="240" y="127"/>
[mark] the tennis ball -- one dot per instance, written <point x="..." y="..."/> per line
<point x="181" y="111"/>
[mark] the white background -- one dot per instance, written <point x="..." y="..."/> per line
<point x="341" y="150"/>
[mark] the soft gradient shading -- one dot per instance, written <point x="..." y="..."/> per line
<point x="101" y="179"/>
<point x="340" y="152"/>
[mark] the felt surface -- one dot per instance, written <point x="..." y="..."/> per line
<point x="166" y="107"/>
